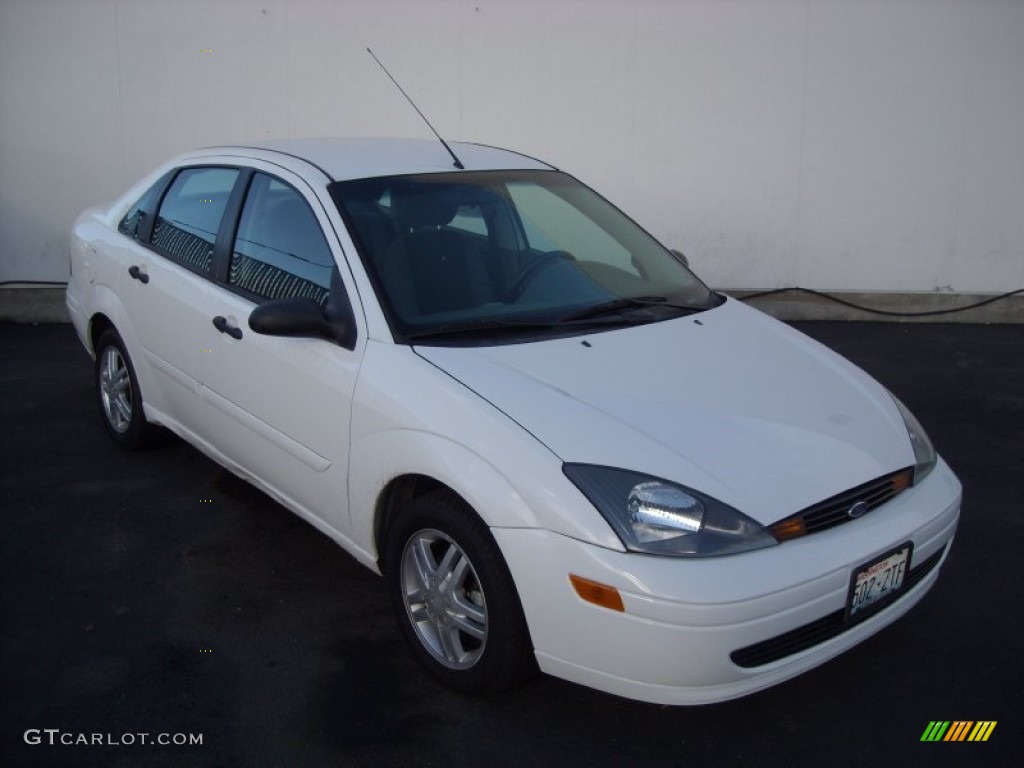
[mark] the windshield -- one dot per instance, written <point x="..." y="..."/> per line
<point x="484" y="253"/>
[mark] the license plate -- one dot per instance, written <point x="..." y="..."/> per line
<point x="877" y="583"/>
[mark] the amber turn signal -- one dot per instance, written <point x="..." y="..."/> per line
<point x="788" y="529"/>
<point x="597" y="593"/>
<point x="902" y="481"/>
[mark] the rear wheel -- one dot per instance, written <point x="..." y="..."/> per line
<point x="117" y="392"/>
<point x="455" y="599"/>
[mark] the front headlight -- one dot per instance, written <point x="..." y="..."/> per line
<point x="924" y="451"/>
<point x="661" y="518"/>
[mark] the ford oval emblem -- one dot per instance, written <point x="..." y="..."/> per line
<point x="857" y="510"/>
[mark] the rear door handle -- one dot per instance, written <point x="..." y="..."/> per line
<point x="221" y="324"/>
<point x="138" y="274"/>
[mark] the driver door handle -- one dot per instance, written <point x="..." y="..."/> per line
<point x="138" y="274"/>
<point x="221" y="324"/>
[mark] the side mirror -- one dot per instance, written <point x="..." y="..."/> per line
<point x="679" y="255"/>
<point x="292" y="317"/>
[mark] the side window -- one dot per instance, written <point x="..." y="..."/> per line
<point x="188" y="219"/>
<point x="280" y="251"/>
<point x="132" y="220"/>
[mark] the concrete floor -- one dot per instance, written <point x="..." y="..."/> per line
<point x="132" y="604"/>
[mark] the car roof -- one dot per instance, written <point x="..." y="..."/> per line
<point x="359" y="158"/>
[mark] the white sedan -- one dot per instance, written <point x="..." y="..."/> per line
<point x="484" y="381"/>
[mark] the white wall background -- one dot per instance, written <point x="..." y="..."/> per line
<point x="851" y="145"/>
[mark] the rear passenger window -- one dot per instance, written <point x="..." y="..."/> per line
<point x="189" y="217"/>
<point x="280" y="251"/>
<point x="132" y="221"/>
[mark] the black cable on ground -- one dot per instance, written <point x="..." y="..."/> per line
<point x="33" y="282"/>
<point x="890" y="313"/>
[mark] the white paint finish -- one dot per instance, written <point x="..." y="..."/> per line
<point x="682" y="619"/>
<point x="726" y="402"/>
<point x="739" y="407"/>
<point x="359" y="158"/>
<point x="855" y="146"/>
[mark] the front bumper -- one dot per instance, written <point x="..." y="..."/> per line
<point x="684" y="619"/>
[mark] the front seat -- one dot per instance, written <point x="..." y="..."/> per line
<point x="425" y="271"/>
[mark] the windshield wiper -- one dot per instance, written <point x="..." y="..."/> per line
<point x="490" y="327"/>
<point x="607" y="312"/>
<point x="616" y="306"/>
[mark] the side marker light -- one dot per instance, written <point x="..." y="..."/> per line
<point x="597" y="593"/>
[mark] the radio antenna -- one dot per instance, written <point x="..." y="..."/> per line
<point x="458" y="163"/>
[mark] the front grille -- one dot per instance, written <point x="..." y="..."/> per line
<point x="835" y="511"/>
<point x="819" y="631"/>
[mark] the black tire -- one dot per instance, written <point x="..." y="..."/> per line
<point x="118" y="394"/>
<point x="440" y="624"/>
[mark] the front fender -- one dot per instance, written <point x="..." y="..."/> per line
<point x="380" y="458"/>
<point x="411" y="418"/>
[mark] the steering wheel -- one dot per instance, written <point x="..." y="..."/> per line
<point x="532" y="270"/>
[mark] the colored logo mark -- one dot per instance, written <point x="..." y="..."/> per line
<point x="958" y="730"/>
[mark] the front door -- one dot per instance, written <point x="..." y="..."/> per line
<point x="280" y="407"/>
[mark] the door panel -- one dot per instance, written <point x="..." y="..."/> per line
<point x="280" y="407"/>
<point x="166" y="291"/>
<point x="167" y="304"/>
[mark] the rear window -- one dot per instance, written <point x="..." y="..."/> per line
<point x="131" y="224"/>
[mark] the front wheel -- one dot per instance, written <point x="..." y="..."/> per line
<point x="455" y="599"/>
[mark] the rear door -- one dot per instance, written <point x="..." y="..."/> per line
<point x="165" y="287"/>
<point x="281" y="406"/>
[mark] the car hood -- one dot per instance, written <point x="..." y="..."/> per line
<point x="729" y="402"/>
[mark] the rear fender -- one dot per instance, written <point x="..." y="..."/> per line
<point x="105" y="303"/>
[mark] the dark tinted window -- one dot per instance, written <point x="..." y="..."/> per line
<point x="280" y="251"/>
<point x="187" y="223"/>
<point x="129" y="225"/>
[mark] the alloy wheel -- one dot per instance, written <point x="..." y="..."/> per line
<point x="115" y="390"/>
<point x="443" y="599"/>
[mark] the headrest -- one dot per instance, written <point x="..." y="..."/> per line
<point x="423" y="207"/>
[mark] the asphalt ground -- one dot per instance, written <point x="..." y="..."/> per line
<point x="155" y="593"/>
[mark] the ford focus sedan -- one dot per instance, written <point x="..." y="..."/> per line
<point x="559" y="447"/>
